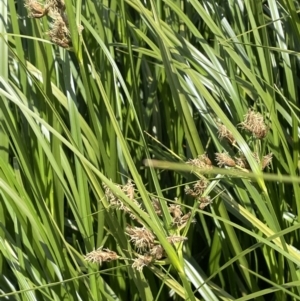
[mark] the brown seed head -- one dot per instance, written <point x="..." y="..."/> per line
<point x="182" y="220"/>
<point x="204" y="158"/>
<point x="175" y="210"/>
<point x="173" y="239"/>
<point x="201" y="162"/>
<point x="223" y="159"/>
<point x="59" y="33"/>
<point x="112" y="199"/>
<point x="266" y="160"/>
<point x="101" y="255"/>
<point x="128" y="189"/>
<point x="36" y="10"/>
<point x="200" y="186"/>
<point x="254" y="123"/>
<point x="204" y="201"/>
<point x="157" y="252"/>
<point x="141" y="261"/>
<point x="242" y="162"/>
<point x="141" y="237"/>
<point x="225" y="133"/>
<point x="156" y="206"/>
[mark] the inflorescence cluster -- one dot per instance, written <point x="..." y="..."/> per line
<point x="143" y="239"/>
<point x="55" y="9"/>
<point x="253" y="123"/>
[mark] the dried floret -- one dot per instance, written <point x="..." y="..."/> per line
<point x="223" y="159"/>
<point x="266" y="160"/>
<point x="225" y="133"/>
<point x="114" y="201"/>
<point x="157" y="251"/>
<point x="141" y="261"/>
<point x="156" y="205"/>
<point x="198" y="188"/>
<point x="173" y="239"/>
<point x="101" y="255"/>
<point x="201" y="162"/>
<point x="254" y="123"/>
<point x="141" y="237"/>
<point x="36" y="10"/>
<point x="204" y="201"/>
<point x="242" y="162"/>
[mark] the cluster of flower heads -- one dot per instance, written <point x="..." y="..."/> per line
<point x="223" y="159"/>
<point x="197" y="191"/>
<point x="144" y="240"/>
<point x="253" y="123"/>
<point x="200" y="186"/>
<point x="114" y="201"/>
<point x="101" y="255"/>
<point x="55" y="9"/>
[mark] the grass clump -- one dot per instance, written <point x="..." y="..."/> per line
<point x="196" y="103"/>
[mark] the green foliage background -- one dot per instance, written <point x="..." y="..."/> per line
<point x="149" y="80"/>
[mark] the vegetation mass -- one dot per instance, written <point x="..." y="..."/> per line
<point x="149" y="150"/>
